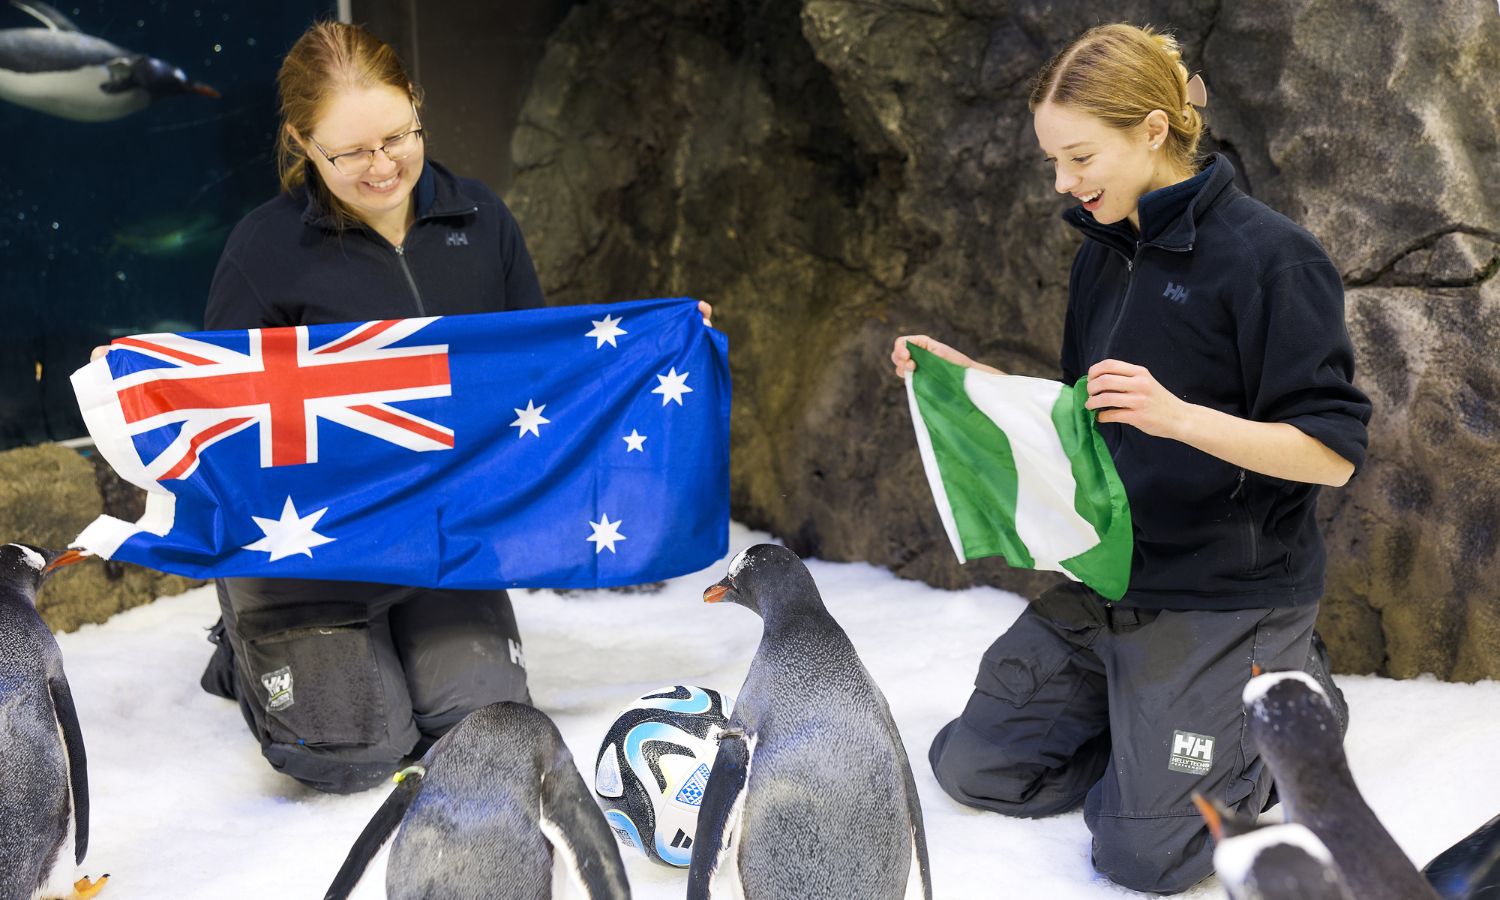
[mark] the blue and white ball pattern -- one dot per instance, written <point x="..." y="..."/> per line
<point x="653" y="767"/>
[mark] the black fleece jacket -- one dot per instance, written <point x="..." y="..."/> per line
<point x="287" y="264"/>
<point x="1232" y="306"/>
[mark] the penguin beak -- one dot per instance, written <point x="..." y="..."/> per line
<point x="66" y="559"/>
<point x="716" y="593"/>
<point x="199" y="87"/>
<point x="1210" y="815"/>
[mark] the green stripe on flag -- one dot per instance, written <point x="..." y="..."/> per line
<point x="980" y="480"/>
<point x="1100" y="498"/>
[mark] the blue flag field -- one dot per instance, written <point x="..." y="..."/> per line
<point x="570" y="447"/>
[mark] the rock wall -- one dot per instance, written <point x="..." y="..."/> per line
<point x="48" y="494"/>
<point x="832" y="173"/>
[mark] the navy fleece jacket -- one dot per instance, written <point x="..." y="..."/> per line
<point x="286" y="264"/>
<point x="1232" y="306"/>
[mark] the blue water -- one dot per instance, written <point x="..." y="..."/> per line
<point x="113" y="228"/>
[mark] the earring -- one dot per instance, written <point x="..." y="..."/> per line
<point x="1156" y="146"/>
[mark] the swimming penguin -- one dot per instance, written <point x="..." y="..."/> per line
<point x="44" y="807"/>
<point x="1293" y="725"/>
<point x="495" y="811"/>
<point x="1470" y="868"/>
<point x="61" y="71"/>
<point x="811" y="794"/>
<point x="1270" y="862"/>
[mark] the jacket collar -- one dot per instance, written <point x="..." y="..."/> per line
<point x="437" y="195"/>
<point x="1176" y="234"/>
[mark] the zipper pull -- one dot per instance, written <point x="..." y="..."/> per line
<point x="1238" y="486"/>
<point x="400" y="250"/>
<point x="1130" y="265"/>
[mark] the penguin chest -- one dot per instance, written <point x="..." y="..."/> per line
<point x="71" y="94"/>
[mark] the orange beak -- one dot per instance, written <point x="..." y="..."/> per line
<point x="715" y="593"/>
<point x="67" y="559"/>
<point x="1256" y="671"/>
<point x="1210" y="815"/>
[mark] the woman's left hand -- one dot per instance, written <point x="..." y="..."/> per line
<point x="708" y="313"/>
<point x="1126" y="393"/>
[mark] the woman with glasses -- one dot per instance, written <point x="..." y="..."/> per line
<point x="340" y="681"/>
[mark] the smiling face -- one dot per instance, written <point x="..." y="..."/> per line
<point x="363" y="118"/>
<point x="1108" y="169"/>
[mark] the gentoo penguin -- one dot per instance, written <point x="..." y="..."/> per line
<point x="495" y="811"/>
<point x="1293" y="725"/>
<point x="1270" y="862"/>
<point x="44" y="806"/>
<point x="1470" y="869"/>
<point x="811" y="794"/>
<point x="64" y="72"/>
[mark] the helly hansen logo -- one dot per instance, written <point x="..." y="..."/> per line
<point x="278" y="685"/>
<point x="1177" y="293"/>
<point x="517" y="655"/>
<point x="1191" y="753"/>
<point x="457" y="239"/>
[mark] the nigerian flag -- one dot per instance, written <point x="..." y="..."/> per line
<point x="1018" y="470"/>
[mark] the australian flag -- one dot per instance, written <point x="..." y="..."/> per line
<point x="583" y="446"/>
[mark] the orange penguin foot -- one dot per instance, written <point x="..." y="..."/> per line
<point x="84" y="888"/>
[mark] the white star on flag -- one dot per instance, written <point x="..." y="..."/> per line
<point x="672" y="387"/>
<point x="529" y="418"/>
<point x="291" y="534"/>
<point x="605" y="534"/>
<point x="634" y="441"/>
<point x="606" y="331"/>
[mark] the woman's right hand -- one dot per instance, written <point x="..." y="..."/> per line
<point x="901" y="357"/>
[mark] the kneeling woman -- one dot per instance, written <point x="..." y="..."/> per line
<point x="1211" y="330"/>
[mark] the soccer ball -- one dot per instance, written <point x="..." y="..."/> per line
<point x="653" y="766"/>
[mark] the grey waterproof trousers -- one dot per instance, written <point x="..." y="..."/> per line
<point x="1128" y="712"/>
<point x="341" y="681"/>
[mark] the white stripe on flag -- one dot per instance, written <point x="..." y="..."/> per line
<point x="934" y="475"/>
<point x="1046" y="519"/>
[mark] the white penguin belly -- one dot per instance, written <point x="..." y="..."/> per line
<point x="72" y="94"/>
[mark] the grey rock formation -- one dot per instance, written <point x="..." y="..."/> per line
<point x="832" y="173"/>
<point x="48" y="494"/>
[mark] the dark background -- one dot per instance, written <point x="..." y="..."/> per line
<point x="114" y="228"/>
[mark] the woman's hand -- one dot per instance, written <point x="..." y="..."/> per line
<point x="901" y="357"/>
<point x="708" y="313"/>
<point x="98" y="352"/>
<point x="1126" y="393"/>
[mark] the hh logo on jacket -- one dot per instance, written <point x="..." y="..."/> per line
<point x="1177" y="293"/>
<point x="457" y="239"/>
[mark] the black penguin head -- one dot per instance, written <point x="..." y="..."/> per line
<point x="162" y="79"/>
<point x="26" y="567"/>
<point x="1222" y="822"/>
<point x="1278" y="862"/>
<point x="769" y="580"/>
<point x="1292" y="721"/>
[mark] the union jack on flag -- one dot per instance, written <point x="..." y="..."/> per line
<point x="567" y="447"/>
<point x="283" y="386"/>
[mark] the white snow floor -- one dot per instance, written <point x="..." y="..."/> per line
<point x="184" y="806"/>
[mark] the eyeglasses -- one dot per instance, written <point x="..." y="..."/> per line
<point x="357" y="162"/>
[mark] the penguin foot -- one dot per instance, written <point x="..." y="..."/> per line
<point x="84" y="888"/>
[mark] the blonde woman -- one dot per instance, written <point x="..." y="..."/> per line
<point x="1211" y="331"/>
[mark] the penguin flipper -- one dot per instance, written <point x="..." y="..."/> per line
<point x="376" y="833"/>
<point x="78" y="764"/>
<point x="723" y="804"/>
<point x="573" y="824"/>
<point x="45" y="14"/>
<point x="1470" y="868"/>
